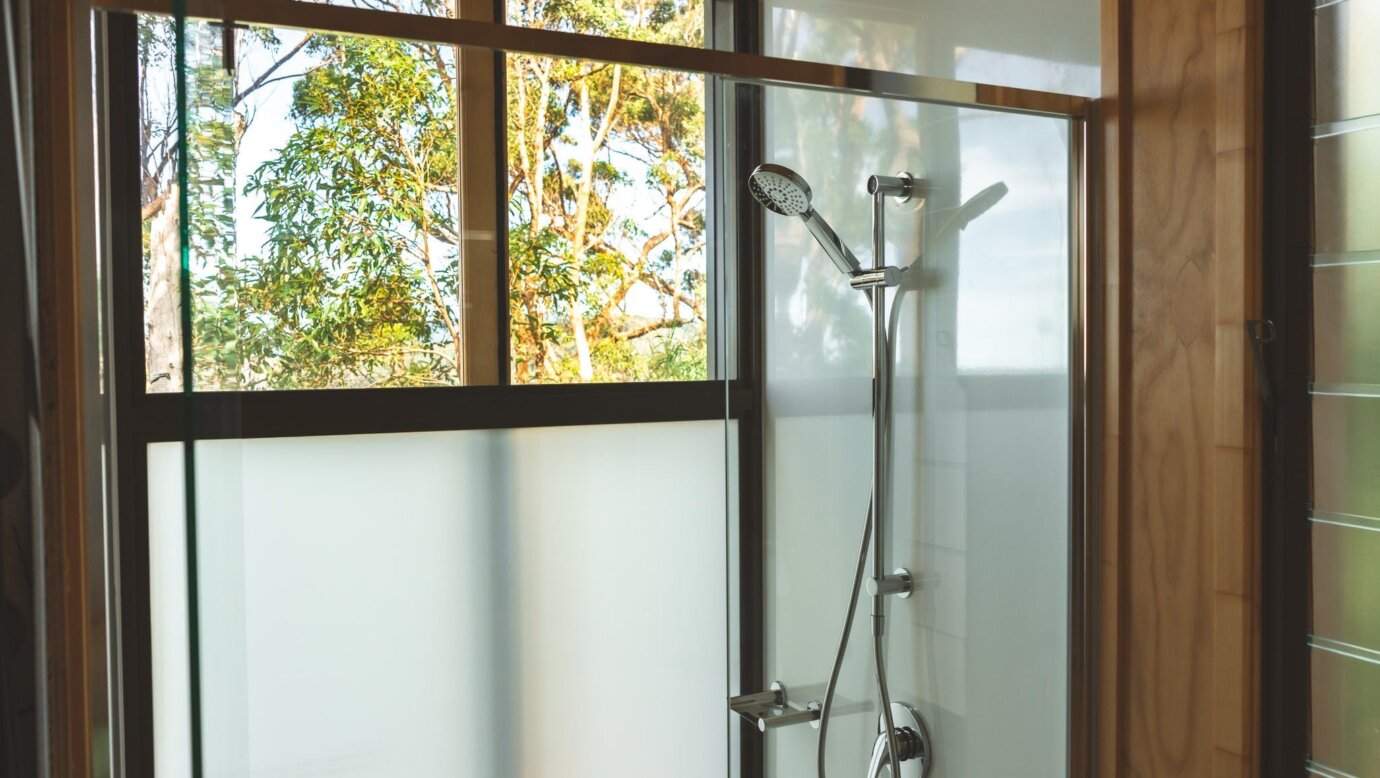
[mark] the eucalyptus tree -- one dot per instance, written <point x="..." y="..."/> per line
<point x="355" y="281"/>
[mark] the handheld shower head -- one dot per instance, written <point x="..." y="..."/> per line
<point x="781" y="190"/>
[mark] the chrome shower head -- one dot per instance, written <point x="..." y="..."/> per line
<point x="781" y="190"/>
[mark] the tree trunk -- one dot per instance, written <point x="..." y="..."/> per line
<point x="164" y="307"/>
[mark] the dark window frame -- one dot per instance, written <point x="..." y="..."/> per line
<point x="1286" y="476"/>
<point x="142" y="418"/>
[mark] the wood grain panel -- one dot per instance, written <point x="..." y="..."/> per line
<point x="63" y="321"/>
<point x="1180" y="524"/>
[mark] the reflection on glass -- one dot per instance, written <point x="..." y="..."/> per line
<point x="606" y="222"/>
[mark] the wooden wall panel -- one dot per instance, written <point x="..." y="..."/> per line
<point x="61" y="321"/>
<point x="1180" y="525"/>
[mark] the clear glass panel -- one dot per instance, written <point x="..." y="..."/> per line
<point x="1345" y="192"/>
<point x="1346" y="583"/>
<point x="1346" y="330"/>
<point x="538" y="602"/>
<point x="345" y="229"/>
<point x="1346" y="455"/>
<point x="1348" y="61"/>
<point x="1346" y="713"/>
<point x="607" y="239"/>
<point x="982" y="357"/>
<point x="1052" y="45"/>
<point x="680" y="22"/>
<point x="422" y="7"/>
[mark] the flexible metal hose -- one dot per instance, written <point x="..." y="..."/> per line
<point x="843" y="643"/>
<point x="877" y="637"/>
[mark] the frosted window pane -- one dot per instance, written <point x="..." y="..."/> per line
<point x="1346" y="331"/>
<point x="1346" y="712"/>
<point x="1346" y="583"/>
<point x="1051" y="45"/>
<point x="1348" y="63"/>
<point x="1346" y="455"/>
<point x="1345" y="192"/>
<point x="449" y="603"/>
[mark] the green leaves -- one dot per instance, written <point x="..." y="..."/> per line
<point x="356" y="282"/>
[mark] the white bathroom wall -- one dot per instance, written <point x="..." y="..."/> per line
<point x="536" y="602"/>
<point x="1052" y="45"/>
<point x="981" y="480"/>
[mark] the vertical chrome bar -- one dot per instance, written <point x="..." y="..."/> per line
<point x="881" y="379"/>
<point x="881" y="413"/>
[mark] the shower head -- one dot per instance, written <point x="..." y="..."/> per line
<point x="781" y="190"/>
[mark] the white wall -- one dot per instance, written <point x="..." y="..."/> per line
<point x="539" y="602"/>
<point x="981" y="494"/>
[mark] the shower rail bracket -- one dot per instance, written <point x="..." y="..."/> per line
<point x="888" y="276"/>
<point x="769" y="709"/>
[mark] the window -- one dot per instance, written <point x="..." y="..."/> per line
<point x="342" y="233"/>
<point x="394" y="213"/>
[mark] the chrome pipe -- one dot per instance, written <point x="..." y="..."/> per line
<point x="881" y="482"/>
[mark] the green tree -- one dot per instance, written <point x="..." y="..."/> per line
<point x="356" y="283"/>
<point x="577" y="131"/>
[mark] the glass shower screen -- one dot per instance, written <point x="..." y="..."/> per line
<point x="982" y="467"/>
<point x="400" y="558"/>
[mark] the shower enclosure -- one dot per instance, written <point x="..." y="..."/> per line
<point x="375" y="537"/>
<point x="983" y="482"/>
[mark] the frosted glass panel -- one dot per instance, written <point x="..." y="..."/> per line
<point x="1348" y="61"/>
<point x="1346" y="329"/>
<point x="1346" y="455"/>
<point x="981" y="494"/>
<point x="1346" y="583"/>
<point x="1346" y="190"/>
<point x="1346" y="713"/>
<point x="450" y="603"/>
<point x="1051" y="45"/>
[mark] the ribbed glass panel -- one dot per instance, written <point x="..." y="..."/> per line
<point x="1346" y="582"/>
<point x="1348" y="61"/>
<point x="1346" y="324"/>
<point x="1346" y="712"/>
<point x="1346" y="455"/>
<point x="1346" y="189"/>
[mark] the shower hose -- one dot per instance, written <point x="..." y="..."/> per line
<point x="877" y="637"/>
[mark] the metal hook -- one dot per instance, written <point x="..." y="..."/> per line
<point x="1260" y="332"/>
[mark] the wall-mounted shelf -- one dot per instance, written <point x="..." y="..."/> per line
<point x="769" y="709"/>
